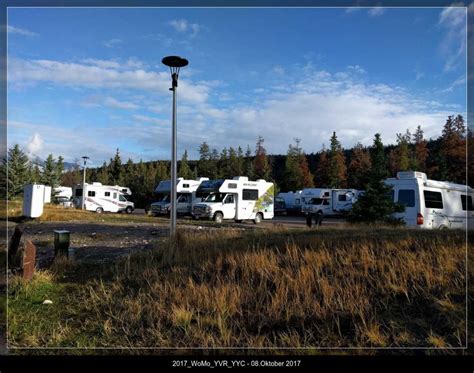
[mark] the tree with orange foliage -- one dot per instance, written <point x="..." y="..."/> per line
<point x="359" y="167"/>
<point x="453" y="149"/>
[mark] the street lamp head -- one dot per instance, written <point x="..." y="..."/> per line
<point x="175" y="63"/>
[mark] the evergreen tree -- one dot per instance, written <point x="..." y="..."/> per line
<point x="223" y="165"/>
<point x="420" y="154"/>
<point x="376" y="205"/>
<point x="204" y="164"/>
<point x="60" y="168"/>
<point x="297" y="175"/>
<point x="103" y="174"/>
<point x="240" y="164"/>
<point x="248" y="164"/>
<point x="235" y="168"/>
<point x="214" y="165"/>
<point x="359" y="167"/>
<point x="453" y="149"/>
<point x="50" y="175"/>
<point x="321" y="177"/>
<point x="399" y="158"/>
<point x="184" y="169"/>
<point x="115" y="168"/>
<point x="17" y="170"/>
<point x="262" y="168"/>
<point x="337" y="164"/>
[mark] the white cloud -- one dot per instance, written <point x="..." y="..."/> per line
<point x="461" y="81"/>
<point x="20" y="31"/>
<point x="453" y="45"/>
<point x="357" y="69"/>
<point x="113" y="43"/>
<point x="376" y="12"/>
<point x="28" y="72"/>
<point x="182" y="25"/>
<point x="112" y="102"/>
<point x="34" y="145"/>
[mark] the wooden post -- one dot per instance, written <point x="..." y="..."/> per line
<point x="29" y="260"/>
<point x="14" y="245"/>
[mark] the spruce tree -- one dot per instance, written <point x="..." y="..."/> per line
<point x="115" y="168"/>
<point x="17" y="170"/>
<point x="453" y="149"/>
<point x="359" y="167"/>
<point x="248" y="164"/>
<point x="262" y="168"/>
<point x="337" y="164"/>
<point x="421" y="152"/>
<point x="49" y="175"/>
<point x="184" y="169"/>
<point x="321" y="176"/>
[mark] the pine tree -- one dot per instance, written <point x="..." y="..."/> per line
<point x="115" y="168"/>
<point x="60" y="168"/>
<point x="184" y="169"/>
<point x="337" y="164"/>
<point x="204" y="164"/>
<point x="214" y="165"/>
<point x="399" y="158"/>
<point x="223" y="165"/>
<point x="321" y="177"/>
<point x="248" y="164"/>
<point x="453" y="149"/>
<point x="376" y="204"/>
<point x="420" y="154"/>
<point x="262" y="168"/>
<point x="297" y="175"/>
<point x="359" y="167"/>
<point x="17" y="171"/>
<point x="240" y="165"/>
<point x="50" y="175"/>
<point x="103" y="174"/>
<point x="235" y="168"/>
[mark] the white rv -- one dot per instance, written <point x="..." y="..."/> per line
<point x="292" y="201"/>
<point x="102" y="198"/>
<point x="185" y="194"/>
<point x="237" y="199"/>
<point x="432" y="204"/>
<point x="329" y="201"/>
<point x="62" y="192"/>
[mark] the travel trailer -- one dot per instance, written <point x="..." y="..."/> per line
<point x="185" y="194"/>
<point x="292" y="201"/>
<point x="330" y="201"/>
<point x="238" y="199"/>
<point x="102" y="198"/>
<point x="432" y="204"/>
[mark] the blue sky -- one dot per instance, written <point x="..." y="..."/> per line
<point x="88" y="81"/>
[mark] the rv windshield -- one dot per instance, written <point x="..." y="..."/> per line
<point x="315" y="201"/>
<point x="215" y="197"/>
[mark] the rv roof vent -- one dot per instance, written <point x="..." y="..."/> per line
<point x="95" y="183"/>
<point x="411" y="175"/>
<point x="241" y="178"/>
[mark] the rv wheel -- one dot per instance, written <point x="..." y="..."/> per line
<point x="218" y="217"/>
<point x="128" y="210"/>
<point x="99" y="210"/>
<point x="258" y="218"/>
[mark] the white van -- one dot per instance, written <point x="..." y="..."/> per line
<point x="237" y="199"/>
<point x="185" y="196"/>
<point x="102" y="198"/>
<point x="432" y="204"/>
<point x="330" y="201"/>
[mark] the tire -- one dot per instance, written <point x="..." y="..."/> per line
<point x="258" y="218"/>
<point x="218" y="217"/>
<point x="129" y="210"/>
<point x="99" y="210"/>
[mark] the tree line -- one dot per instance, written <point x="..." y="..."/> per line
<point x="443" y="158"/>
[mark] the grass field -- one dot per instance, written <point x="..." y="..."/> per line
<point x="351" y="287"/>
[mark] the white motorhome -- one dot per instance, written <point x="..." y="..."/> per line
<point x="330" y="201"/>
<point x="432" y="204"/>
<point x="292" y="201"/>
<point x="185" y="196"/>
<point x="237" y="199"/>
<point x="102" y="198"/>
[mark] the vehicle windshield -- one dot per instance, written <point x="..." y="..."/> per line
<point x="215" y="197"/>
<point x="166" y="198"/>
<point x="122" y="198"/>
<point x="315" y="201"/>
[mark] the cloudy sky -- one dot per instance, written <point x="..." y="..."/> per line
<point x="88" y="81"/>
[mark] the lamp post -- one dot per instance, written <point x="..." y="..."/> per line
<point x="84" y="181"/>
<point x="174" y="63"/>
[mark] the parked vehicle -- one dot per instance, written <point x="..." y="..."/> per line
<point x="62" y="192"/>
<point x="185" y="196"/>
<point x="102" y="198"/>
<point x="432" y="204"/>
<point x="280" y="206"/>
<point x="292" y="201"/>
<point x="238" y="199"/>
<point x="330" y="202"/>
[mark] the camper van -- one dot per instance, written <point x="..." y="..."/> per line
<point x="102" y="198"/>
<point x="292" y="201"/>
<point x="238" y="199"/>
<point x="185" y="194"/>
<point x="432" y="204"/>
<point x="330" y="201"/>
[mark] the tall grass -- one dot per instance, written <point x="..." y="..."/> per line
<point x="265" y="289"/>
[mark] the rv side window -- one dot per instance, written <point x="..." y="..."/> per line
<point x="232" y="186"/>
<point x="78" y="192"/>
<point x="250" y="194"/>
<point x="433" y="200"/>
<point x="107" y="194"/>
<point x="342" y="197"/>
<point x="406" y="197"/>
<point x="469" y="206"/>
<point x="229" y="199"/>
<point x="115" y="195"/>
<point x="91" y="193"/>
<point x="326" y="194"/>
<point x="185" y="185"/>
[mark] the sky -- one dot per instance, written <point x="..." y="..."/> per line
<point x="86" y="81"/>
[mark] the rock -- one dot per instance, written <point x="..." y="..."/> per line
<point x="47" y="301"/>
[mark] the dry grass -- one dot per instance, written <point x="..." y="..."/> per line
<point x="265" y="289"/>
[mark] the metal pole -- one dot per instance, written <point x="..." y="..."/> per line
<point x="83" y="185"/>
<point x="173" y="161"/>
